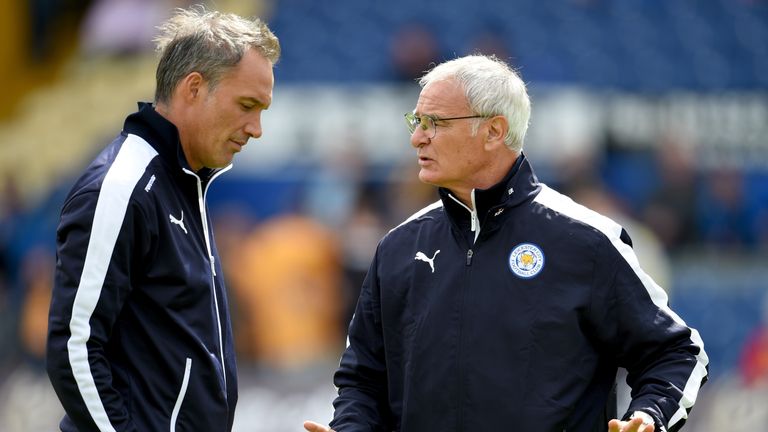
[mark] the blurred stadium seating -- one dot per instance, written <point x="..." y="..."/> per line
<point x="647" y="46"/>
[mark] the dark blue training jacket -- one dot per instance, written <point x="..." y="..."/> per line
<point x="139" y="332"/>
<point x="515" y="317"/>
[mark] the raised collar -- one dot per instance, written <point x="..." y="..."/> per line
<point x="163" y="136"/>
<point x="518" y="186"/>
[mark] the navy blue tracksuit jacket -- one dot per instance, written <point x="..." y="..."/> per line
<point x="139" y="331"/>
<point x="513" y="317"/>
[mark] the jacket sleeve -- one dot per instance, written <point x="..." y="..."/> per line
<point x="664" y="358"/>
<point x="362" y="402"/>
<point x="94" y="247"/>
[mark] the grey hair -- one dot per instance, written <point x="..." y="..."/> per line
<point x="492" y="88"/>
<point x="208" y="42"/>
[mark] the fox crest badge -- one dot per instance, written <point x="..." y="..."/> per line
<point x="526" y="260"/>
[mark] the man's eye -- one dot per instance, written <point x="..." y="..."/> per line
<point x="246" y="107"/>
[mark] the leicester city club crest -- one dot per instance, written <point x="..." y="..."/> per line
<point x="526" y="260"/>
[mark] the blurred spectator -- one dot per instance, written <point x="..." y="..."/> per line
<point x="756" y="192"/>
<point x="330" y="193"/>
<point x="413" y="48"/>
<point x="360" y="233"/>
<point x="37" y="274"/>
<point x="728" y="406"/>
<point x="374" y="213"/>
<point x="124" y="27"/>
<point x="50" y="19"/>
<point x="232" y="224"/>
<point x="754" y="357"/>
<point x="670" y="212"/>
<point x="10" y="209"/>
<point x="629" y="171"/>
<point x="490" y="43"/>
<point x="7" y="318"/>
<point x="11" y="212"/>
<point x="722" y="214"/>
<point x="286" y="278"/>
<point x="27" y="235"/>
<point x="406" y="194"/>
<point x="489" y="40"/>
<point x="27" y="400"/>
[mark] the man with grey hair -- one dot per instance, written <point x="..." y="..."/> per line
<point x="505" y="305"/>
<point x="139" y="330"/>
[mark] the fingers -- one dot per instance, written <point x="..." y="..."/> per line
<point x="614" y="426"/>
<point x="316" y="427"/>
<point x="634" y="425"/>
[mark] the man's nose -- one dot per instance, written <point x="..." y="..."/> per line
<point x="253" y="128"/>
<point x="419" y="137"/>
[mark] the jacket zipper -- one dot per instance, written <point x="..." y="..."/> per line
<point x="182" y="393"/>
<point x="201" y="195"/>
<point x="459" y="356"/>
<point x="475" y="227"/>
<point x="474" y="220"/>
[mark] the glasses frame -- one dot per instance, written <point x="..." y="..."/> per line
<point x="412" y="121"/>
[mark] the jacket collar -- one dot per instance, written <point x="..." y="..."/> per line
<point x="163" y="136"/>
<point x="518" y="186"/>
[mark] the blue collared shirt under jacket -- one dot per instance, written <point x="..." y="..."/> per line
<point x="139" y="331"/>
<point x="514" y="317"/>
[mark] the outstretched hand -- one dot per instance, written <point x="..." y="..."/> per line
<point x="634" y="425"/>
<point x="316" y="427"/>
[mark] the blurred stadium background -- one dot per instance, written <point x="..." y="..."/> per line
<point x="654" y="112"/>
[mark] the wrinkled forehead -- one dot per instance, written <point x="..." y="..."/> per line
<point x="445" y="95"/>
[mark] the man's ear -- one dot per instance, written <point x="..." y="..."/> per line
<point x="496" y="132"/>
<point x="190" y="86"/>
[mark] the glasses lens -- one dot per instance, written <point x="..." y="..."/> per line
<point x="428" y="124"/>
<point x="411" y="121"/>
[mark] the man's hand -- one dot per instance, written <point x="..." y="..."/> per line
<point x="317" y="427"/>
<point x="634" y="425"/>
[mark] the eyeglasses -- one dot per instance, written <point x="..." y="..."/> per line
<point x="428" y="123"/>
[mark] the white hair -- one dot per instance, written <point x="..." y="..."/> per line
<point x="492" y="88"/>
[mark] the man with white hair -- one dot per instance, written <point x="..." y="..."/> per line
<point x="505" y="305"/>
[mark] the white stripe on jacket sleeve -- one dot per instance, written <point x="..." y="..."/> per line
<point x="128" y="167"/>
<point x="563" y="204"/>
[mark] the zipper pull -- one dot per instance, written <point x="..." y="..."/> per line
<point x="469" y="257"/>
